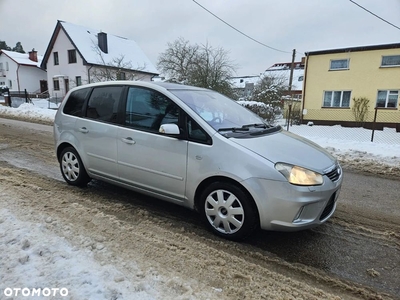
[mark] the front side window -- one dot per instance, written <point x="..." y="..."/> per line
<point x="56" y="84"/>
<point x="75" y="102"/>
<point x="148" y="109"/>
<point x="10" y="84"/>
<point x="339" y="64"/>
<point x="390" y="60"/>
<point x="7" y="68"/>
<point x="336" y="99"/>
<point x="72" y="56"/>
<point x="103" y="103"/>
<point x="387" y="99"/>
<point x="56" y="61"/>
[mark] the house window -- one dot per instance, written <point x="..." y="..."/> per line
<point x="337" y="99"/>
<point x="78" y="80"/>
<point x="72" y="56"/>
<point x="387" y="99"/>
<point x="7" y="66"/>
<point x="56" y="61"/>
<point x="339" y="64"/>
<point x="1" y="66"/>
<point x="390" y="61"/>
<point x="121" y="76"/>
<point x="10" y="84"/>
<point x="56" y="84"/>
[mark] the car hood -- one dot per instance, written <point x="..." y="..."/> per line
<point x="289" y="148"/>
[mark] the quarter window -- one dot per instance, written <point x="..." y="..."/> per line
<point x="103" y="103"/>
<point x="55" y="56"/>
<point x="387" y="99"/>
<point x="72" y="56"/>
<point x="339" y="64"/>
<point x="148" y="109"/>
<point x="390" y="60"/>
<point x="337" y="99"/>
<point x="75" y="102"/>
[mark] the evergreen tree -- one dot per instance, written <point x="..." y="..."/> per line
<point x="3" y="45"/>
<point x="18" y="48"/>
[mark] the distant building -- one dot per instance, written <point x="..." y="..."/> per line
<point x="20" y="71"/>
<point x="244" y="85"/>
<point x="78" y="55"/>
<point x="282" y="70"/>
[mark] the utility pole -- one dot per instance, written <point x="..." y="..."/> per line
<point x="290" y="87"/>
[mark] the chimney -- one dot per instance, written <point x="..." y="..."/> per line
<point x="102" y="37"/>
<point x="33" y="55"/>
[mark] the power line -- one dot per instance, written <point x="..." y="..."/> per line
<point x="374" y="14"/>
<point x="258" y="42"/>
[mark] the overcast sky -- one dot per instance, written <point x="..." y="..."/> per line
<point x="306" y="25"/>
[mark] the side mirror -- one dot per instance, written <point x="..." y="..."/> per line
<point x="171" y="129"/>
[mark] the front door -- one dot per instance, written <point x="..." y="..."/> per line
<point x="147" y="159"/>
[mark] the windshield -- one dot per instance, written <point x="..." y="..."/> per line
<point x="221" y="112"/>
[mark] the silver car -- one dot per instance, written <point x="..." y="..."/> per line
<point x="199" y="149"/>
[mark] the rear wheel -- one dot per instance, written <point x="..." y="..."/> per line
<point x="228" y="211"/>
<point x="72" y="168"/>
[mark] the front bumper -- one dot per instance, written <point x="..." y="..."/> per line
<point x="286" y="207"/>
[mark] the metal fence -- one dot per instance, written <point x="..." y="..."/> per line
<point x="382" y="125"/>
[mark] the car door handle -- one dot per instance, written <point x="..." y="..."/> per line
<point x="83" y="130"/>
<point x="128" y="140"/>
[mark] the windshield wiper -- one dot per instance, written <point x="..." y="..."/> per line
<point x="257" y="125"/>
<point x="234" y="129"/>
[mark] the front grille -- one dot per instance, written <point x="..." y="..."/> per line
<point x="334" y="175"/>
<point x="328" y="208"/>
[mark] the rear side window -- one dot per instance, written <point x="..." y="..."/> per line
<point x="103" y="103"/>
<point x="75" y="102"/>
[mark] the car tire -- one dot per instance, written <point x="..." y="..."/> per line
<point x="228" y="211"/>
<point x="72" y="168"/>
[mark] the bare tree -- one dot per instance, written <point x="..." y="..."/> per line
<point x="116" y="69"/>
<point x="198" y="65"/>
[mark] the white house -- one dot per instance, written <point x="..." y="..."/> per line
<point x="20" y="71"/>
<point x="77" y="55"/>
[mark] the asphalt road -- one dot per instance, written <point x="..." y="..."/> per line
<point x="357" y="251"/>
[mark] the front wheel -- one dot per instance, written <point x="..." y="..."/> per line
<point x="228" y="211"/>
<point x="72" y="168"/>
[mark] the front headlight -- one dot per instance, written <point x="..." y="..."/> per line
<point x="298" y="175"/>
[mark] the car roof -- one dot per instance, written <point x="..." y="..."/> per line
<point x="159" y="84"/>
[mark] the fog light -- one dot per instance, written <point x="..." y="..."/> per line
<point x="297" y="217"/>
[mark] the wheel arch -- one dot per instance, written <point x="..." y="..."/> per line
<point x="209" y="180"/>
<point x="61" y="147"/>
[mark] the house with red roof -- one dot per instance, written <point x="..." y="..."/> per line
<point x="20" y="71"/>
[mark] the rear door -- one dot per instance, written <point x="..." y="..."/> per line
<point x="97" y="131"/>
<point x="147" y="159"/>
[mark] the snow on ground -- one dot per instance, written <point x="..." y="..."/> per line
<point x="32" y="256"/>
